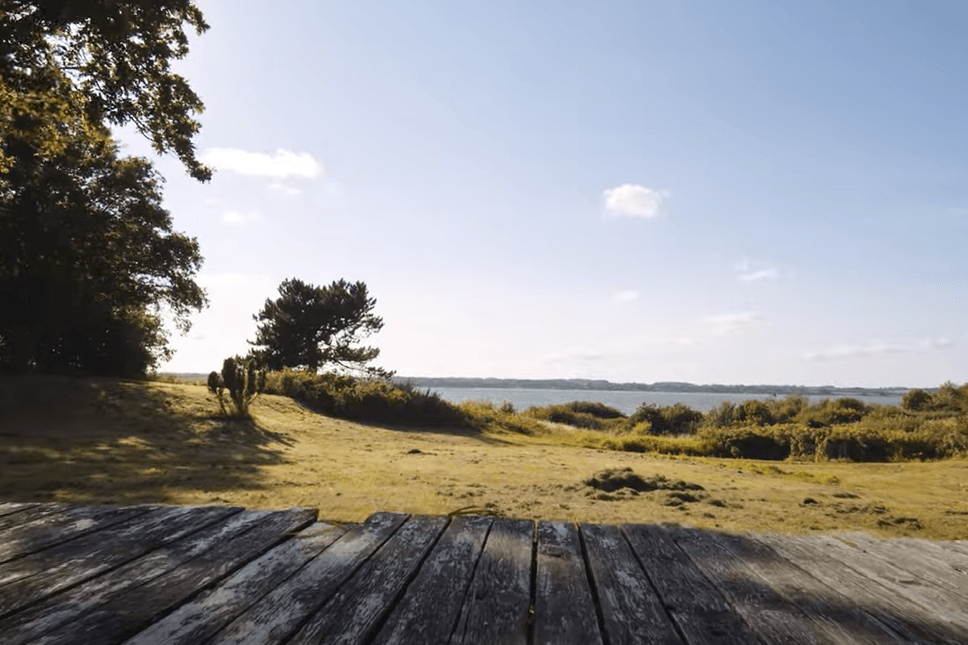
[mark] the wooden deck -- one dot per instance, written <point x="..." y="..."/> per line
<point x="155" y="574"/>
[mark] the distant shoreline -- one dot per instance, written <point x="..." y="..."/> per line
<point x="667" y="386"/>
<point x="603" y="385"/>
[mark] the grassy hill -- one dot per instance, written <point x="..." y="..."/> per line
<point x="124" y="442"/>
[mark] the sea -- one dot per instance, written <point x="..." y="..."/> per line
<point x="626" y="401"/>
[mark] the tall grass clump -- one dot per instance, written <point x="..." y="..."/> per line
<point x="484" y="415"/>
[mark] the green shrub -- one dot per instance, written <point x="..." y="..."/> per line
<point x="666" y="420"/>
<point x="831" y="412"/>
<point x="243" y="380"/>
<point x="341" y="395"/>
<point x="916" y="400"/>
<point x="580" y="414"/>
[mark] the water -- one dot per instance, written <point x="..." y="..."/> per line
<point x="625" y="401"/>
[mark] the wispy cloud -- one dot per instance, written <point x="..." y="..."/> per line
<point x="239" y="218"/>
<point x="755" y="271"/>
<point x="630" y="295"/>
<point x="877" y="348"/>
<point x="279" y="164"/>
<point x="632" y="200"/>
<point x="730" y="322"/>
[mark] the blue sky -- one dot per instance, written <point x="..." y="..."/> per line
<point x="742" y="192"/>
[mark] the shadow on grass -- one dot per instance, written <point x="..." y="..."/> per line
<point x="108" y="441"/>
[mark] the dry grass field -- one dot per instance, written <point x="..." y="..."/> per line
<point x="96" y="441"/>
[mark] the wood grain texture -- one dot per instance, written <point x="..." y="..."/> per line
<point x="352" y="615"/>
<point x="700" y="611"/>
<point x="937" y="604"/>
<point x="497" y="606"/>
<point x="632" y="611"/>
<point x="429" y="609"/>
<point x="9" y="508"/>
<point x="31" y="578"/>
<point x="839" y="617"/>
<point x="183" y="575"/>
<point x="883" y="602"/>
<point x="917" y="559"/>
<point x="204" y="616"/>
<point x="38" y="619"/>
<point x="37" y="535"/>
<point x="132" y="611"/>
<point x="564" y="610"/>
<point x="27" y="515"/>
<point x="280" y="613"/>
<point x="773" y="618"/>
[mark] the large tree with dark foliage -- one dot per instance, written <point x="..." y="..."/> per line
<point x="106" y="61"/>
<point x="89" y="263"/>
<point x="311" y="327"/>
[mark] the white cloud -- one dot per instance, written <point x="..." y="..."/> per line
<point x="238" y="218"/>
<point x="877" y="348"/>
<point x="756" y="276"/>
<point x="755" y="271"/>
<point x="632" y="200"/>
<point x="279" y="164"/>
<point x="630" y="295"/>
<point x="727" y="323"/>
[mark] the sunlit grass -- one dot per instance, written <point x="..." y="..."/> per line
<point x="128" y="442"/>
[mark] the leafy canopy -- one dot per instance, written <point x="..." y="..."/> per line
<point x="104" y="61"/>
<point x="311" y="327"/>
<point x="89" y="263"/>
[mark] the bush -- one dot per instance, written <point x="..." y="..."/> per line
<point x="243" y="379"/>
<point x="831" y="412"/>
<point x="341" y="395"/>
<point x="916" y="400"/>
<point x="580" y="414"/>
<point x="665" y="420"/>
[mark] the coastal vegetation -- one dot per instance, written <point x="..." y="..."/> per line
<point x="924" y="426"/>
<point x="135" y="441"/>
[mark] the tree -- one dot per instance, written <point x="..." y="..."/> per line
<point x="310" y="327"/>
<point x="89" y="263"/>
<point x="102" y="61"/>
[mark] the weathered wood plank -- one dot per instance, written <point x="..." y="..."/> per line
<point x="28" y="515"/>
<point x="953" y="558"/>
<point x="9" y="508"/>
<point x="631" y="609"/>
<point x="204" y="616"/>
<point x="280" y="613"/>
<point x="702" y="614"/>
<point x="845" y="620"/>
<point x="497" y="605"/>
<point x="917" y="560"/>
<point x="43" y="574"/>
<point x="773" y="618"/>
<point x="354" y="613"/>
<point x="957" y="547"/>
<point x="564" y="610"/>
<point x="25" y="539"/>
<point x="35" y="620"/>
<point x="132" y="611"/>
<point x="936" y="602"/>
<point x="430" y="607"/>
<point x="884" y="603"/>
